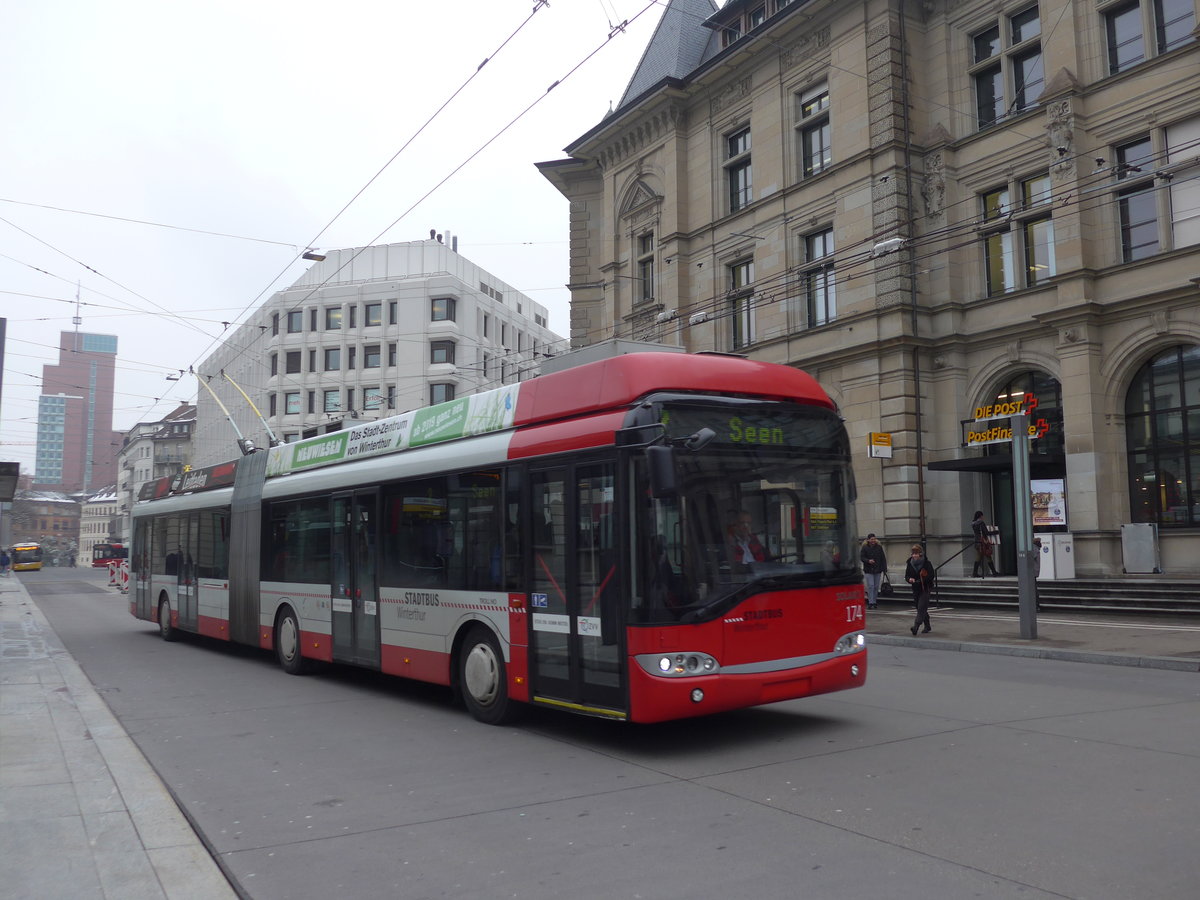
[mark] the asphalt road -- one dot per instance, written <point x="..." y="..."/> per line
<point x="949" y="775"/>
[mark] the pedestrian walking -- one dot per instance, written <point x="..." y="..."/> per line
<point x="874" y="563"/>
<point x="983" y="546"/>
<point x="920" y="574"/>
<point x="4" y="562"/>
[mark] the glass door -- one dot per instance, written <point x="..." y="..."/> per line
<point x="576" y="646"/>
<point x="187" y="593"/>
<point x="353" y="588"/>
<point x="140" y="563"/>
<point x="1004" y="557"/>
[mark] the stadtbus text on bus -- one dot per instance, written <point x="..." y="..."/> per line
<point x="26" y="557"/>
<point x="103" y="554"/>
<point x="644" y="538"/>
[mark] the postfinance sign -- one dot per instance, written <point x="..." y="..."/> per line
<point x="1003" y="433"/>
<point x="980" y="432"/>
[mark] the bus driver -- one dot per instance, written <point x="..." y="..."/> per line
<point x="744" y="546"/>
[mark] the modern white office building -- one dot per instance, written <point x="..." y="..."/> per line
<point x="366" y="333"/>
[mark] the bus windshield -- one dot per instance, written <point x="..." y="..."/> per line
<point x="766" y="504"/>
<point x="27" y="553"/>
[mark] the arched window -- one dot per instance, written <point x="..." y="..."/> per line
<point x="1162" y="424"/>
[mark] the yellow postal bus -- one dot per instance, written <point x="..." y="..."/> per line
<point x="26" y="557"/>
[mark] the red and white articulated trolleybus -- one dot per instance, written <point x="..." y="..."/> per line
<point x="644" y="538"/>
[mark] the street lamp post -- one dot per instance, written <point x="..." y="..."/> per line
<point x="1023" y="525"/>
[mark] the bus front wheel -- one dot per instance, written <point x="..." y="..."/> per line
<point x="287" y="643"/>
<point x="165" y="631"/>
<point x="482" y="679"/>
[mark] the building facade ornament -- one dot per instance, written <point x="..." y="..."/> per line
<point x="639" y="200"/>
<point x="802" y="50"/>
<point x="731" y="95"/>
<point x="1060" y="135"/>
<point x="639" y="135"/>
<point x="934" y="187"/>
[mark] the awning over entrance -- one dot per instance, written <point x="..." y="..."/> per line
<point x="1040" y="465"/>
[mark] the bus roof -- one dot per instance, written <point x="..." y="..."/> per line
<point x="607" y="384"/>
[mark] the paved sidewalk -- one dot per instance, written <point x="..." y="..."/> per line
<point x="82" y="814"/>
<point x="1157" y="642"/>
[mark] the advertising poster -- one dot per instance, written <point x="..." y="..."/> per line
<point x="1049" y="502"/>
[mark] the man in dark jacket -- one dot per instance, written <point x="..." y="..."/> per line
<point x="874" y="564"/>
<point x="920" y="574"/>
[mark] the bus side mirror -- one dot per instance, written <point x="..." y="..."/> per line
<point x="700" y="439"/>
<point x="660" y="466"/>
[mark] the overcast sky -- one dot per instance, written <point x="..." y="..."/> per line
<point x="258" y="121"/>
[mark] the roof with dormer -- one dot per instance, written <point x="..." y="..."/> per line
<point x="681" y="42"/>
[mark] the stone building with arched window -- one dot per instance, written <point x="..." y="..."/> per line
<point x="936" y="208"/>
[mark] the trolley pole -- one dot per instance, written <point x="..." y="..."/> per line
<point x="1023" y="525"/>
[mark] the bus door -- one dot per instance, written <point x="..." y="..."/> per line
<point x="353" y="591"/>
<point x="187" y="594"/>
<point x="140" y="564"/>
<point x="576" y="635"/>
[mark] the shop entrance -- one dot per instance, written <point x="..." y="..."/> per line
<point x="1047" y="465"/>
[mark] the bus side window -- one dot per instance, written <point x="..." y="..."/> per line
<point x="417" y="539"/>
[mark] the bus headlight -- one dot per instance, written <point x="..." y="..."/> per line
<point x="677" y="665"/>
<point x="850" y="643"/>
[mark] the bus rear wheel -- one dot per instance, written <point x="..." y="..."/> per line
<point x="165" y="630"/>
<point x="287" y="643"/>
<point x="482" y="680"/>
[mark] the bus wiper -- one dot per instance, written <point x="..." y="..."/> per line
<point x="715" y="606"/>
<point x="775" y="581"/>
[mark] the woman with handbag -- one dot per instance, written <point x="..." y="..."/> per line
<point x="983" y="547"/>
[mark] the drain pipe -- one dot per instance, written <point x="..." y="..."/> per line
<point x="912" y="275"/>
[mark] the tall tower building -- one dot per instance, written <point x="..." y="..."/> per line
<point x="76" y="445"/>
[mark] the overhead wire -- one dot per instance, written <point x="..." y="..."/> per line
<point x="846" y="265"/>
<point x="299" y="303"/>
<point x="80" y="212"/>
<point x="84" y="265"/>
<point x="766" y="292"/>
<point x="537" y="6"/>
<point x="717" y="297"/>
<point x="763" y="294"/>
